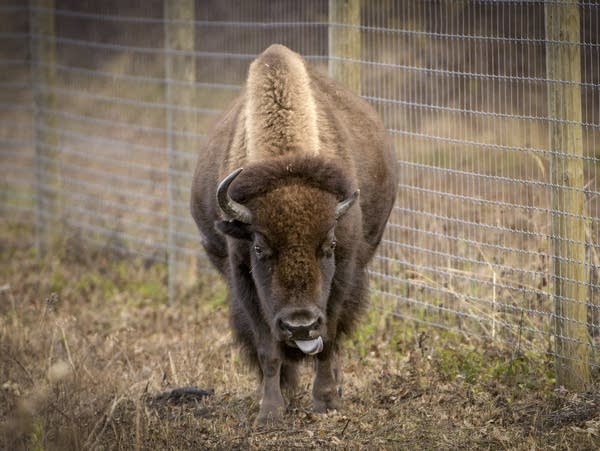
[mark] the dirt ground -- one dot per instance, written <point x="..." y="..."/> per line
<point x="89" y="346"/>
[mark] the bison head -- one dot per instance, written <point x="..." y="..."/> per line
<point x="287" y="213"/>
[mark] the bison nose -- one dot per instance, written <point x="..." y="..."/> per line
<point x="300" y="329"/>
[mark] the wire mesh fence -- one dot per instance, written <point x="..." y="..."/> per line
<point x="104" y="105"/>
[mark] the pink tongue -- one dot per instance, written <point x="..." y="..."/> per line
<point x="310" y="347"/>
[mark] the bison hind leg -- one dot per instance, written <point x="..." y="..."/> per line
<point x="289" y="375"/>
<point x="289" y="380"/>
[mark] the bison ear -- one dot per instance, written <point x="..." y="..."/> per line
<point x="236" y="229"/>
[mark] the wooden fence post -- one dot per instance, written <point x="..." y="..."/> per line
<point x="180" y="71"/>
<point x="344" y="42"/>
<point x="568" y="222"/>
<point x="43" y="75"/>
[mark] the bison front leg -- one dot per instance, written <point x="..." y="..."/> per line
<point x="272" y="405"/>
<point x="328" y="377"/>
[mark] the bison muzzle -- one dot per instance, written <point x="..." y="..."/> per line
<point x="291" y="195"/>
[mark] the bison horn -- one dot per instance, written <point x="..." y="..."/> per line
<point x="230" y="207"/>
<point x="345" y="205"/>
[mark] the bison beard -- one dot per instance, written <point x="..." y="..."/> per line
<point x="289" y="231"/>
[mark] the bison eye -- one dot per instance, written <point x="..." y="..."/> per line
<point x="327" y="250"/>
<point x="262" y="252"/>
<point x="260" y="247"/>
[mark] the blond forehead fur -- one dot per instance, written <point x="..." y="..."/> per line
<point x="281" y="115"/>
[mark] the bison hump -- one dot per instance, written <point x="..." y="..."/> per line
<point x="281" y="113"/>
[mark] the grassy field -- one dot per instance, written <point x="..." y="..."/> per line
<point x="88" y="343"/>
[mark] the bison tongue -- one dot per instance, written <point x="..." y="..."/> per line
<point x="310" y="347"/>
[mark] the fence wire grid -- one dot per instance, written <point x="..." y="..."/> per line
<point x="100" y="129"/>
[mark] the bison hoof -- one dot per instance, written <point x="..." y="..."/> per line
<point x="269" y="416"/>
<point x="326" y="403"/>
<point x="267" y="419"/>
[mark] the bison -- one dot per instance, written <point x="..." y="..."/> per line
<point x="291" y="195"/>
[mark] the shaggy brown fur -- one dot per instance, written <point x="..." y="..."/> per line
<point x="306" y="144"/>
<point x="264" y="176"/>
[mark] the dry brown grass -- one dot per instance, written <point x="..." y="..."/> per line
<point x="87" y="342"/>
